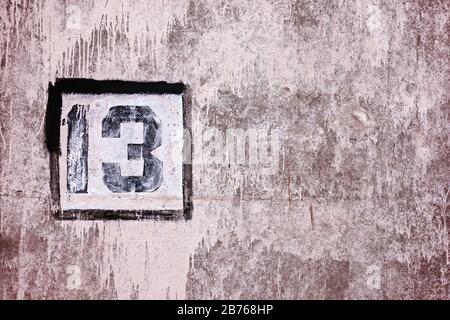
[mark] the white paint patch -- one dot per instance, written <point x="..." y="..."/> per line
<point x="169" y="196"/>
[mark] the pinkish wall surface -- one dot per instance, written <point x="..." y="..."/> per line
<point x="357" y="206"/>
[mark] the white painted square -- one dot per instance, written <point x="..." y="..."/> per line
<point x="169" y="196"/>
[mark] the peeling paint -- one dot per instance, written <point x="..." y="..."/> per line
<point x="358" y="92"/>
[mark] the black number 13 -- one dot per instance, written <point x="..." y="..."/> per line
<point x="77" y="150"/>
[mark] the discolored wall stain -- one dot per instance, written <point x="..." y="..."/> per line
<point x="359" y="94"/>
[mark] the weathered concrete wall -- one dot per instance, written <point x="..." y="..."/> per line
<point x="359" y="91"/>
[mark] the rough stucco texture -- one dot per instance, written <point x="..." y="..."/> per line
<point x="359" y="91"/>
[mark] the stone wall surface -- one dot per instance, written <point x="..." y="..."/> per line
<point x="356" y="206"/>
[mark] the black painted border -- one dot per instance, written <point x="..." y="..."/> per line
<point x="91" y="86"/>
